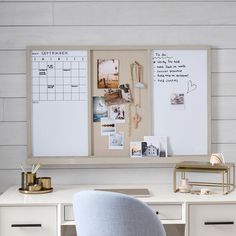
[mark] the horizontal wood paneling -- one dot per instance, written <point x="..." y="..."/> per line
<point x="26" y="14"/>
<point x="223" y="84"/>
<point x="224" y="60"/>
<point x="14" y="109"/>
<point x="9" y="178"/>
<point x="1" y="109"/>
<point x="223" y="108"/>
<point x="13" y="133"/>
<point x="108" y="176"/>
<point x="12" y="156"/>
<point x="118" y="35"/>
<point x="12" y="62"/>
<point x="228" y="150"/>
<point x="88" y="176"/>
<point x="12" y="86"/>
<point x="223" y="131"/>
<point x="135" y="13"/>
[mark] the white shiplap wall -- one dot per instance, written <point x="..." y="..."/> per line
<point x="25" y="23"/>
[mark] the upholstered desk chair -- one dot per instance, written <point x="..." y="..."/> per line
<point x="99" y="213"/>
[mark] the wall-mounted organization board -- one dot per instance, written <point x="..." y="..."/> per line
<point x="65" y="86"/>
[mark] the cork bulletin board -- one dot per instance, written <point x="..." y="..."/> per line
<point x="86" y="105"/>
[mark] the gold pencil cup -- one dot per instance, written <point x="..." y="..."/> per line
<point x="27" y="179"/>
<point x="45" y="182"/>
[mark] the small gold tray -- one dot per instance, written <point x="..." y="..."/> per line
<point x="35" y="192"/>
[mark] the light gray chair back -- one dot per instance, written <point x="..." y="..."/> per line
<point x="99" y="213"/>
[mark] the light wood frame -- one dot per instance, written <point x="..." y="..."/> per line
<point x="121" y="161"/>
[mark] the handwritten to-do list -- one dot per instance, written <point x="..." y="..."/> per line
<point x="59" y="75"/>
<point x="168" y="69"/>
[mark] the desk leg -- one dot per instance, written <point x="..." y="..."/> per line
<point x="233" y="177"/>
<point x="229" y="186"/>
<point x="223" y="182"/>
<point x="174" y="181"/>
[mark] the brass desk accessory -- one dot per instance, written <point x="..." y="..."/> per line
<point x="31" y="184"/>
<point x="227" y="172"/>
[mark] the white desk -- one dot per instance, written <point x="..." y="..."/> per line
<point x="202" y="215"/>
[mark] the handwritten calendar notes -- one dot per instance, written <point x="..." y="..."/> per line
<point x="171" y="69"/>
<point x="59" y="75"/>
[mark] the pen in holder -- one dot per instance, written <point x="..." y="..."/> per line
<point x="27" y="178"/>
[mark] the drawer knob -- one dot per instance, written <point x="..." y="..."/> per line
<point x="219" y="223"/>
<point x="26" y="225"/>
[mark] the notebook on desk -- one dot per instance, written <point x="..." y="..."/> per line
<point x="134" y="192"/>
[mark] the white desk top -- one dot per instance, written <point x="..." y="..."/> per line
<point x="64" y="194"/>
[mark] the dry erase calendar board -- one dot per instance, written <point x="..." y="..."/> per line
<point x="69" y="118"/>
<point x="59" y="102"/>
<point x="180" y="100"/>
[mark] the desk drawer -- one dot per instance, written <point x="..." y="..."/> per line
<point x="168" y="211"/>
<point x="28" y="221"/>
<point x="165" y="211"/>
<point x="213" y="219"/>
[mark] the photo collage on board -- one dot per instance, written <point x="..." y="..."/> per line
<point x="109" y="109"/>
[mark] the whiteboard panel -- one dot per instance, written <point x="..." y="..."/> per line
<point x="180" y="100"/>
<point x="59" y="92"/>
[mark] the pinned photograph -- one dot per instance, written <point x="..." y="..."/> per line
<point x="135" y="149"/>
<point x="113" y="97"/>
<point x="125" y="93"/>
<point x="100" y="110"/>
<point x="117" y="113"/>
<point x="108" y="126"/>
<point x="107" y="73"/>
<point x="116" y="141"/>
<point x="177" y="100"/>
<point x="154" y="146"/>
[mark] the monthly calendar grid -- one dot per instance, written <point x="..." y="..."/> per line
<point x="59" y="78"/>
